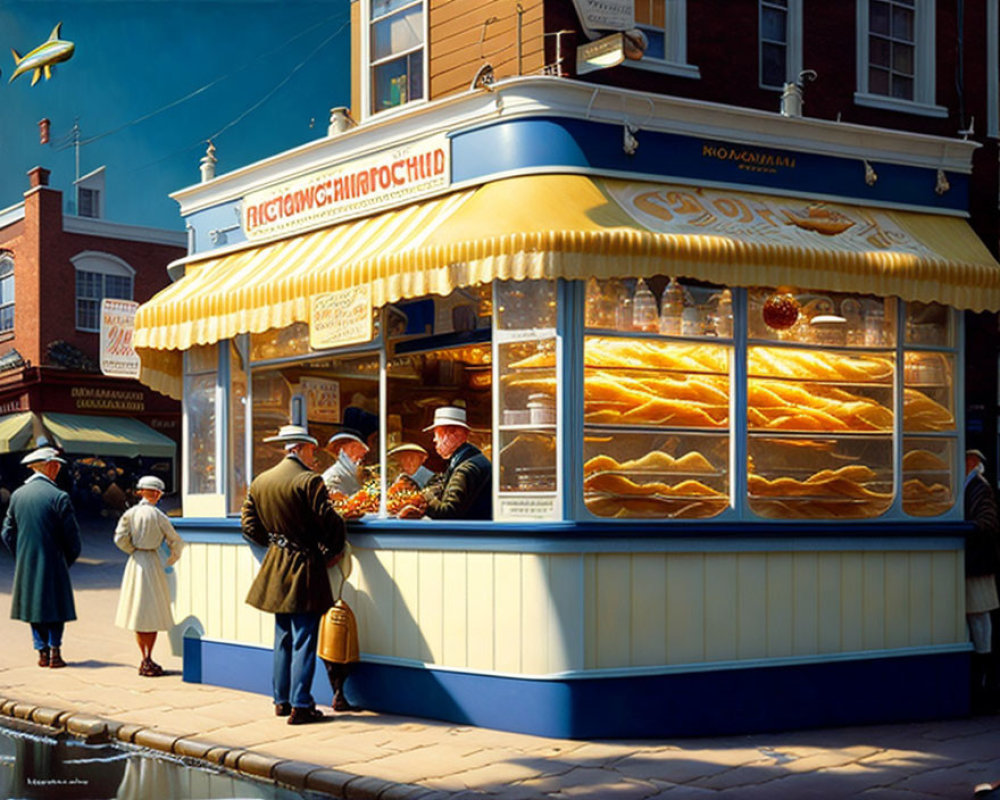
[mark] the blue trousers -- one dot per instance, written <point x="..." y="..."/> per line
<point x="47" y="634"/>
<point x="295" y="638"/>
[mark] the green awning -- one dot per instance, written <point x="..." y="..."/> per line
<point x="16" y="432"/>
<point x="107" y="436"/>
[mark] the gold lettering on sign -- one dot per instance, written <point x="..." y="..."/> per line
<point x="90" y="398"/>
<point x="747" y="158"/>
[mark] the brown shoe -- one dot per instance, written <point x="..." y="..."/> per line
<point x="43" y="657"/>
<point x="303" y="716"/>
<point x="55" y="659"/>
<point x="282" y="709"/>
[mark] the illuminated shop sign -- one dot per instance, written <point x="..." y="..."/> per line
<point x="389" y="178"/>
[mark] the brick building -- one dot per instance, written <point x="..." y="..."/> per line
<point x="55" y="269"/>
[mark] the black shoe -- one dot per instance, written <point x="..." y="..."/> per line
<point x="303" y="716"/>
<point x="282" y="709"/>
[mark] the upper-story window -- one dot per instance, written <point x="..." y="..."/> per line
<point x="88" y="202"/>
<point x="780" y="42"/>
<point x="896" y="56"/>
<point x="665" y="24"/>
<point x="6" y="294"/>
<point x="99" y="275"/>
<point x="396" y="53"/>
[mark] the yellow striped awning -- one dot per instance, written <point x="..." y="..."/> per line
<point x="568" y="226"/>
<point x="16" y="432"/>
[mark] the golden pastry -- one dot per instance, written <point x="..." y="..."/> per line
<point x="922" y="460"/>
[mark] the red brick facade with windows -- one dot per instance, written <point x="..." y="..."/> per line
<point x="42" y="242"/>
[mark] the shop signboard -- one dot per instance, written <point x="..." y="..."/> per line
<point x="322" y="399"/>
<point x="340" y="318"/>
<point x="118" y="356"/>
<point x="391" y="177"/>
<point x="606" y="15"/>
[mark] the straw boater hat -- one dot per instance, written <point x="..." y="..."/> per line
<point x="448" y="415"/>
<point x="976" y="454"/>
<point x="407" y="448"/>
<point x="346" y="435"/>
<point x="151" y="482"/>
<point x="290" y="434"/>
<point x="42" y="454"/>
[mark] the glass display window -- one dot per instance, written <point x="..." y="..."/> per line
<point x="237" y="418"/>
<point x="201" y="378"/>
<point x="819" y="477"/>
<point x="659" y="304"/>
<point x="929" y="324"/>
<point x="834" y="319"/>
<point x="280" y="342"/>
<point x="328" y="395"/>
<point x="528" y="399"/>
<point x="929" y="394"/>
<point x="929" y="486"/>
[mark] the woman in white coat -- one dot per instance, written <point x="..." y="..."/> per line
<point x="144" y="603"/>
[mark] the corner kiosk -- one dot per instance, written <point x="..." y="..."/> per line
<point x="749" y="520"/>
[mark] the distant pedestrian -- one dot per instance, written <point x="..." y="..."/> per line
<point x="41" y="531"/>
<point x="982" y="561"/>
<point x="144" y="602"/>
<point x="288" y="510"/>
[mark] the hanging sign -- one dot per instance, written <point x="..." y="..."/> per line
<point x="322" y="399"/>
<point x="118" y="356"/>
<point x="600" y="54"/>
<point x="389" y="178"/>
<point x="339" y="318"/>
<point x="606" y="15"/>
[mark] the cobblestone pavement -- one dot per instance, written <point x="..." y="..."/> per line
<point x="366" y="755"/>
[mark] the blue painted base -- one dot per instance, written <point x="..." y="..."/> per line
<point x="707" y="703"/>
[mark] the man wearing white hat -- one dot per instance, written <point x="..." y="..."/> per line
<point x="347" y="449"/>
<point x="40" y="529"/>
<point x="464" y="491"/>
<point x="982" y="561"/>
<point x="288" y="510"/>
<point x="411" y="459"/>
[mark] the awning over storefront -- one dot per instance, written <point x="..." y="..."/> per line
<point x="108" y="436"/>
<point x="16" y="432"/>
<point x="569" y="226"/>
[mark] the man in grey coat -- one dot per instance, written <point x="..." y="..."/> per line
<point x="288" y="510"/>
<point x="40" y="529"/>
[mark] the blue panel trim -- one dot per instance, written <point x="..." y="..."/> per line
<point x="559" y="144"/>
<point x="712" y="703"/>
<point x="243" y="667"/>
<point x="631" y="536"/>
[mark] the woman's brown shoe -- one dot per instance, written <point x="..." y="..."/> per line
<point x="43" y="657"/>
<point x="55" y="659"/>
<point x="303" y="716"/>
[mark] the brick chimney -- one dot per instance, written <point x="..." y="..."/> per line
<point x="38" y="176"/>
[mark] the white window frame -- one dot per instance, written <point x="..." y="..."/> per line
<point x="924" y="88"/>
<point x="103" y="264"/>
<point x="367" y="95"/>
<point x="793" y="43"/>
<point x="7" y="270"/>
<point x="675" y="44"/>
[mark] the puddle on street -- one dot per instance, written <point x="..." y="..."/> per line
<point x="35" y="763"/>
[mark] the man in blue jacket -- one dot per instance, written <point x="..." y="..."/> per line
<point x="40" y="529"/>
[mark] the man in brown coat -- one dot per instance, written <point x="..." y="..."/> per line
<point x="288" y="510"/>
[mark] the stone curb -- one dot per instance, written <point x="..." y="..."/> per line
<point x="299" y="776"/>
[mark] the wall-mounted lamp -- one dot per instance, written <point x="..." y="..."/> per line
<point x="870" y="175"/>
<point x="629" y="143"/>
<point x="340" y="120"/>
<point x="942" y="185"/>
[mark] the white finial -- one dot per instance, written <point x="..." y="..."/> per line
<point x="208" y="162"/>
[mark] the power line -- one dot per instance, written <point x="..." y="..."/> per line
<point x="70" y="139"/>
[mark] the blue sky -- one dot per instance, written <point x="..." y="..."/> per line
<point x="263" y="76"/>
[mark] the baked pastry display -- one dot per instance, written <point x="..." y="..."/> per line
<point x="922" y="499"/>
<point x="921" y="413"/>
<point x="654" y="485"/>
<point x="923" y="461"/>
<point x="826" y="494"/>
<point x="817" y="365"/>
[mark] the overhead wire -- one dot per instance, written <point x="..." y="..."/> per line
<point x="70" y="139"/>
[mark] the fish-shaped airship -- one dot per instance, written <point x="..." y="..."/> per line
<point x="43" y="57"/>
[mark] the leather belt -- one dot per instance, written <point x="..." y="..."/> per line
<point x="282" y="541"/>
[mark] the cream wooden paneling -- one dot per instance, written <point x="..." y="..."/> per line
<point x="539" y="614"/>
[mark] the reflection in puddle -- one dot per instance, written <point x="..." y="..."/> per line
<point x="35" y="763"/>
